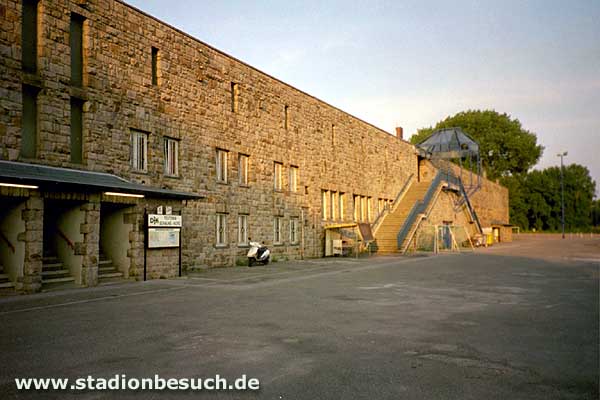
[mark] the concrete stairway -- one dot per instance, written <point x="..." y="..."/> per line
<point x="54" y="274"/>
<point x="5" y="282"/>
<point x="107" y="272"/>
<point x="387" y="234"/>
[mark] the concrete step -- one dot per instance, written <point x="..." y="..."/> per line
<point x="49" y="259"/>
<point x="110" y="268"/>
<point x="115" y="274"/>
<point x="7" y="285"/>
<point x="51" y="266"/>
<point x="57" y="280"/>
<point x="55" y="272"/>
<point x="105" y="262"/>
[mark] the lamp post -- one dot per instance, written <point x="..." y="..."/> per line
<point x="562" y="191"/>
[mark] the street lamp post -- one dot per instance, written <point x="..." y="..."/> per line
<point x="562" y="191"/>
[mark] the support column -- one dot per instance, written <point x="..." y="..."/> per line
<point x="33" y="238"/>
<point x="90" y="249"/>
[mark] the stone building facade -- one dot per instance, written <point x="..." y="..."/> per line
<point x="99" y="86"/>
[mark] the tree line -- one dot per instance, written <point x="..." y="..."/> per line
<point x="508" y="152"/>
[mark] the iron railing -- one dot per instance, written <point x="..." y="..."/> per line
<point x="419" y="207"/>
<point x="388" y="210"/>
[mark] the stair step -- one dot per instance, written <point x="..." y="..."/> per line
<point x="55" y="272"/>
<point x="49" y="259"/>
<point x="52" y="265"/>
<point x="3" y="276"/>
<point x="6" y="285"/>
<point x="110" y="275"/>
<point x="58" y="280"/>
<point x="104" y="262"/>
<point x="107" y="269"/>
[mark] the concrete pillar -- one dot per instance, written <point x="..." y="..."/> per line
<point x="90" y="250"/>
<point x="33" y="238"/>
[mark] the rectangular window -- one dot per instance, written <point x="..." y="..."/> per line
<point x="29" y="25"/>
<point x="363" y="208"/>
<point x="286" y="116"/>
<point x="356" y="203"/>
<point x="277" y="226"/>
<point x="333" y="205"/>
<point x="154" y="60"/>
<point x="242" y="230"/>
<point x="139" y="151"/>
<point x="76" y="130"/>
<point x="278" y="176"/>
<point x="294" y="230"/>
<point x="342" y="199"/>
<point x="76" y="42"/>
<point x="324" y="202"/>
<point x="293" y="179"/>
<point x="171" y="156"/>
<point x="243" y="163"/>
<point x="221" y="166"/>
<point x="234" y="96"/>
<point x="29" y="122"/>
<point x="221" y="229"/>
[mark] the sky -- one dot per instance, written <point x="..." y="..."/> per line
<point x="413" y="63"/>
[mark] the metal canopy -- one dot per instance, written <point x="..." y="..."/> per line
<point x="450" y="143"/>
<point x="55" y="178"/>
<point x="449" y="149"/>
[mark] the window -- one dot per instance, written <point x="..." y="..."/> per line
<point x="363" y="208"/>
<point x="171" y="157"/>
<point x="139" y="151"/>
<point x="243" y="169"/>
<point x="342" y="199"/>
<point x="221" y="229"/>
<point x="154" y="60"/>
<point x="242" y="230"/>
<point x="76" y="42"/>
<point x="294" y="230"/>
<point x="278" y="176"/>
<point x="29" y="122"/>
<point x="29" y="35"/>
<point x="356" y="208"/>
<point x="277" y="225"/>
<point x="221" y="166"/>
<point x="332" y="135"/>
<point x="369" y="208"/>
<point x="324" y="202"/>
<point x="234" y="96"/>
<point x="293" y="179"/>
<point x="286" y="116"/>
<point x="76" y="130"/>
<point x="333" y="205"/>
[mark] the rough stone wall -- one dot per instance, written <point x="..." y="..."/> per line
<point x="192" y="102"/>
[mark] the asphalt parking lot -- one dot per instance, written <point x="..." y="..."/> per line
<point x="510" y="322"/>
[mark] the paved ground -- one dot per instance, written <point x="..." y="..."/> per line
<point x="490" y="325"/>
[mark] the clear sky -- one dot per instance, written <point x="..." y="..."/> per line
<point x="412" y="63"/>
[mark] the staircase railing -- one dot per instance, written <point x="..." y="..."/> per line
<point x="469" y="206"/>
<point x="64" y="237"/>
<point x="391" y="209"/>
<point x="8" y="243"/>
<point x="418" y="208"/>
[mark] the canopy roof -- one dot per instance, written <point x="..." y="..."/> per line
<point x="55" y="178"/>
<point x="450" y="143"/>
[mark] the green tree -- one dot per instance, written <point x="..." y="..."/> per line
<point x="506" y="148"/>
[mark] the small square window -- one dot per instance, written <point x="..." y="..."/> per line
<point x="242" y="230"/>
<point x="171" y="157"/>
<point x="293" y="179"/>
<point x="221" y="166"/>
<point x="277" y="226"/>
<point x="221" y="230"/>
<point x="139" y="151"/>
<point x="294" y="230"/>
<point x="278" y="176"/>
<point x="243" y="169"/>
